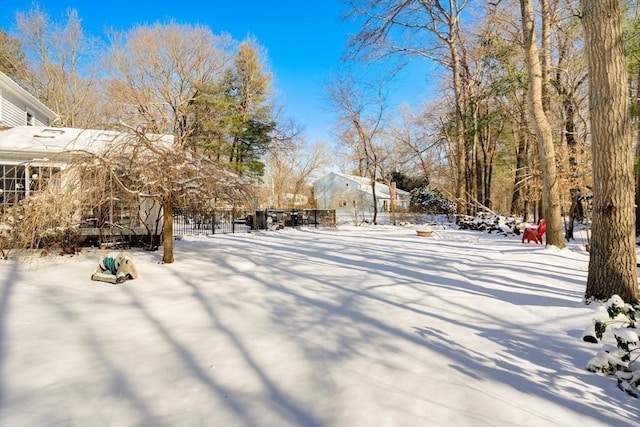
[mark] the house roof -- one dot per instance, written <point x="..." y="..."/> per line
<point x="22" y="143"/>
<point x="26" y="97"/>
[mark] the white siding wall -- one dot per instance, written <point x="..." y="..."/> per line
<point x="330" y="189"/>
<point x="340" y="193"/>
<point x="13" y="112"/>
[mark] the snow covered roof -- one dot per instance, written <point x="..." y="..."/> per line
<point x="27" y="142"/>
<point x="46" y="139"/>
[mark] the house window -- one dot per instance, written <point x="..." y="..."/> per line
<point x="39" y="176"/>
<point x="30" y="118"/>
<point x="342" y="203"/>
<point x="18" y="181"/>
<point x="12" y="184"/>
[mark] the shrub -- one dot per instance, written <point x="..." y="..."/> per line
<point x="432" y="201"/>
<point x="489" y="223"/>
<point x="618" y="357"/>
<point x="9" y="231"/>
<point x="47" y="219"/>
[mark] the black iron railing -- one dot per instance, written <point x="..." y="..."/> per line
<point x="236" y="221"/>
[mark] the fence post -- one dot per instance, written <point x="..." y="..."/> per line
<point x="233" y="220"/>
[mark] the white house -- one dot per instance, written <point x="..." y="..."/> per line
<point x="19" y="108"/>
<point x="30" y="155"/>
<point x="22" y="117"/>
<point x="32" y="151"/>
<point x="353" y="194"/>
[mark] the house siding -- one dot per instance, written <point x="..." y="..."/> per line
<point x="15" y="102"/>
<point x="331" y="189"/>
<point x="348" y="194"/>
<point x="13" y="112"/>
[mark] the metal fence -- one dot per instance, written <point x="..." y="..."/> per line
<point x="220" y="222"/>
<point x="237" y="221"/>
<point x="281" y="218"/>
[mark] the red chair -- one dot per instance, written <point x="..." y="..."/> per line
<point x="535" y="233"/>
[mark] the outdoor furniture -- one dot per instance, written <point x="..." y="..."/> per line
<point x="535" y="233"/>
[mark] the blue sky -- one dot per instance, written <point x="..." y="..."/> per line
<point x="304" y="40"/>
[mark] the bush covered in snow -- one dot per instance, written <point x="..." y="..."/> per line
<point x="615" y="326"/>
<point x="489" y="223"/>
<point x="431" y="200"/>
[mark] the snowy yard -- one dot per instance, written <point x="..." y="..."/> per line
<point x="359" y="326"/>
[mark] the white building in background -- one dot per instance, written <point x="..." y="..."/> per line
<point x="353" y="194"/>
<point x="19" y="108"/>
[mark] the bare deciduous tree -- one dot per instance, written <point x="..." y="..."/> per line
<point x="551" y="187"/>
<point x="12" y="57"/>
<point x="150" y="166"/>
<point x="61" y="72"/>
<point x="430" y="30"/>
<point x="361" y="108"/>
<point x="155" y="72"/>
<point x="420" y="144"/>
<point x="290" y="168"/>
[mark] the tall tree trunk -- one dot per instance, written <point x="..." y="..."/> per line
<point x="637" y="195"/>
<point x="461" y="182"/>
<point x="488" y="155"/>
<point x="637" y="157"/>
<point x="478" y="160"/>
<point x="167" y="232"/>
<point x="519" y="188"/>
<point x="550" y="184"/>
<point x="545" y="63"/>
<point x="374" y="197"/>
<point x="612" y="258"/>
<point x="393" y="195"/>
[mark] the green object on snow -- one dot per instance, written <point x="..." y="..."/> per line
<point x="109" y="264"/>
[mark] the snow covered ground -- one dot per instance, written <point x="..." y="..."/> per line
<point x="358" y="326"/>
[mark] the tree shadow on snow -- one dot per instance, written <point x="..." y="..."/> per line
<point x="354" y="302"/>
<point x="7" y="287"/>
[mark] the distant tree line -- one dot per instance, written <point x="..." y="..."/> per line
<point x="529" y="99"/>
